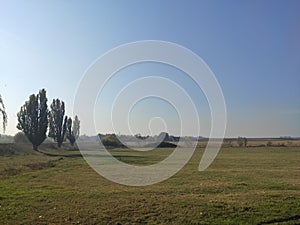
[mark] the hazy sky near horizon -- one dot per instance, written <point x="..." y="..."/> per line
<point x="253" y="48"/>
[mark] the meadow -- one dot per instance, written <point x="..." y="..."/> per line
<point x="253" y="185"/>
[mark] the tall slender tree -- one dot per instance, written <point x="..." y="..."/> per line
<point x="57" y="122"/>
<point x="3" y="113"/>
<point x="76" y="127"/>
<point x="70" y="134"/>
<point x="32" y="118"/>
<point x="73" y="133"/>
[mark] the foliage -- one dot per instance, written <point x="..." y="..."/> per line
<point x="76" y="127"/>
<point x="73" y="134"/>
<point x="111" y="140"/>
<point x="32" y="118"/>
<point x="6" y="139"/>
<point x="57" y="123"/>
<point x="242" y="141"/>
<point x="139" y="136"/>
<point x="20" y="137"/>
<point x="70" y="135"/>
<point x="163" y="137"/>
<point x="3" y="113"/>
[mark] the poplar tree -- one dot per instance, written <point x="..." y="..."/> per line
<point x="32" y="118"/>
<point x="57" y="121"/>
<point x="73" y="133"/>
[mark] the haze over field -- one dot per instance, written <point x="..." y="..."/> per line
<point x="252" y="47"/>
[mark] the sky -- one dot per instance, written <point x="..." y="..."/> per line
<point x="252" y="47"/>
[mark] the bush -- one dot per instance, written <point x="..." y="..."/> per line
<point x="20" y="137"/>
<point x="111" y="140"/>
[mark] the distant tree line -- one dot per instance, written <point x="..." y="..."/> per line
<point x="115" y="141"/>
<point x="163" y="136"/>
<point x="34" y="118"/>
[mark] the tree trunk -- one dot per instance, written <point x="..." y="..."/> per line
<point x="35" y="147"/>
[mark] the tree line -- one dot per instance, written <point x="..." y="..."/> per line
<point x="34" y="119"/>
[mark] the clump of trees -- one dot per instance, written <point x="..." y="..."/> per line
<point x="3" y="113"/>
<point x="34" y="119"/>
<point x="242" y="141"/>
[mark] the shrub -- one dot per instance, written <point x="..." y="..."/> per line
<point x="20" y="137"/>
<point x="111" y="140"/>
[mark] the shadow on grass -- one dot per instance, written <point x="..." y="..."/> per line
<point x="79" y="155"/>
<point x="281" y="220"/>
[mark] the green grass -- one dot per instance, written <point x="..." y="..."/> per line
<point x="242" y="186"/>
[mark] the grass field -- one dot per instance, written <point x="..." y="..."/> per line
<point x="242" y="186"/>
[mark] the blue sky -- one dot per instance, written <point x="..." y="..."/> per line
<point x="252" y="47"/>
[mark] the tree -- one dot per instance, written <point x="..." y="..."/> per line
<point x="32" y="118"/>
<point x="245" y="141"/>
<point x="73" y="134"/>
<point x="242" y="141"/>
<point x="139" y="136"/>
<point x="163" y="137"/>
<point x="3" y="113"/>
<point x="70" y="134"/>
<point x="57" y="122"/>
<point x="76" y="127"/>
